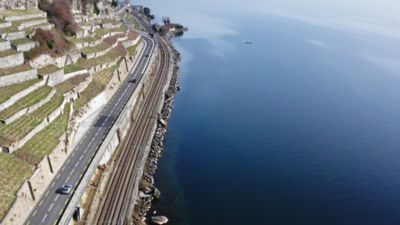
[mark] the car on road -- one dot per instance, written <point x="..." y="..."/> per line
<point x="65" y="189"/>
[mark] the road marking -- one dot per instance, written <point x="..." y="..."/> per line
<point x="58" y="176"/>
<point x="29" y="222"/>
<point x="52" y="185"/>
<point x="41" y="202"/>
<point x="76" y="183"/>
<point x="56" y="198"/>
<point x="72" y="171"/>
<point x="47" y="193"/>
<point x="44" y="218"/>
<point x="66" y="200"/>
<point x="34" y="213"/>
<point x="60" y="212"/>
<point x="51" y="206"/>
<point x="68" y="178"/>
<point x="80" y="158"/>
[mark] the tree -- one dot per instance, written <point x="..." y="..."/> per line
<point x="60" y="14"/>
<point x="114" y="3"/>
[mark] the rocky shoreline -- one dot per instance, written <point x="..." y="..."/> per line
<point x="147" y="190"/>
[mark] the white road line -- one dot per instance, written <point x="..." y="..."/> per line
<point x="56" y="198"/>
<point x="44" y="218"/>
<point x="72" y="171"/>
<point x="51" y="206"/>
<point x="80" y="158"/>
<point x="68" y="178"/>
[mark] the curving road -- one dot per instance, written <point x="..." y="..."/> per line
<point x="51" y="205"/>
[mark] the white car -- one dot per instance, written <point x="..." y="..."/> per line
<point x="66" y="189"/>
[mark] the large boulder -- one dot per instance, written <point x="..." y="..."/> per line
<point x="159" y="220"/>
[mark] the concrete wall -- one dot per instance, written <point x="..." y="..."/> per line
<point x="18" y="77"/>
<point x="4" y="46"/>
<point x="13" y="36"/>
<point x="55" y="78"/>
<point x="11" y="101"/>
<point x="5" y="24"/>
<point x="30" y="109"/>
<point x="12" y="60"/>
<point x="26" y="16"/>
<point x="45" y="60"/>
<point x="130" y="43"/>
<point x="25" y="47"/>
<point x="25" y="25"/>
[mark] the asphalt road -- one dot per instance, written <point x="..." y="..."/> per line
<point x="51" y="205"/>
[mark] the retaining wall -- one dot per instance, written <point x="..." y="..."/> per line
<point x="55" y="78"/>
<point x="11" y="101"/>
<point x="13" y="36"/>
<point x="25" y="17"/>
<point x="17" y="78"/>
<point x="4" y="46"/>
<point x="76" y="73"/>
<point x="30" y="109"/>
<point x="46" y="121"/>
<point x="12" y="60"/>
<point x="25" y="47"/>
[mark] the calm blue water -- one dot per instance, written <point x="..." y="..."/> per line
<point x="302" y="127"/>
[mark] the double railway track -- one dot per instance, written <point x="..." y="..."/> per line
<point x="114" y="207"/>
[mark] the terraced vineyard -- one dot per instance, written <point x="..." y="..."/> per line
<point x="38" y="96"/>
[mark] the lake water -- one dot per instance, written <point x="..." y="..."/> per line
<point x="301" y="127"/>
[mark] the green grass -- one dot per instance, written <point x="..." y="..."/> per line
<point x="19" y="12"/>
<point x="13" y="70"/>
<point x="132" y="50"/>
<point x="106" y="58"/>
<point x="21" y="41"/>
<point x="27" y="101"/>
<point x="83" y="40"/>
<point x="8" y="53"/>
<point x="48" y="69"/>
<point x="108" y="20"/>
<point x="8" y="91"/>
<point x="100" y="47"/>
<point x="13" y="172"/>
<point x="100" y="80"/>
<point x="73" y="68"/>
<point x="102" y="32"/>
<point x="21" y="127"/>
<point x="69" y="84"/>
<point x="44" y="142"/>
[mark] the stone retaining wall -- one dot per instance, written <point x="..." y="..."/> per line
<point x="46" y="121"/>
<point x="45" y="60"/>
<point x="4" y="46"/>
<point x="5" y="24"/>
<point x="55" y="78"/>
<point x="76" y="73"/>
<point x="25" y="17"/>
<point x="30" y="109"/>
<point x="11" y="101"/>
<point x="13" y="36"/>
<point x="25" y="47"/>
<point x="12" y="60"/>
<point x="17" y="78"/>
<point x="25" y="25"/>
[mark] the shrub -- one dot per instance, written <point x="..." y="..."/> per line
<point x="60" y="14"/>
<point x="53" y="41"/>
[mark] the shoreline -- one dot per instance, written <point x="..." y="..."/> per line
<point x="148" y="192"/>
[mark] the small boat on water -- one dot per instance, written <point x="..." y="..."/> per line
<point x="248" y="42"/>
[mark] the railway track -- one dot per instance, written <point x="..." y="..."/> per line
<point x="115" y="203"/>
